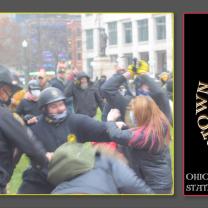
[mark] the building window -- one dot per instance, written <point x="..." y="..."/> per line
<point x="89" y="39"/>
<point x="127" y="32"/>
<point x="113" y="58"/>
<point x="144" y="56"/>
<point x="142" y="30"/>
<point x="129" y="58"/>
<point x="161" y="61"/>
<point x="79" y="56"/>
<point x="160" y="28"/>
<point x="112" y="33"/>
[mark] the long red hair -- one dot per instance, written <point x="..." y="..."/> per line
<point x="151" y="121"/>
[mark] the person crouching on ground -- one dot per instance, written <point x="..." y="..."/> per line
<point x="83" y="169"/>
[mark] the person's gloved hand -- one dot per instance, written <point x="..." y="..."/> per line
<point x="28" y="117"/>
<point x="33" y="120"/>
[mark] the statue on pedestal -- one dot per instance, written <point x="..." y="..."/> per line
<point x="103" y="42"/>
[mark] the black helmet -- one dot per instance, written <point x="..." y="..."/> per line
<point x="6" y="78"/>
<point x="34" y="85"/>
<point x="50" y="95"/>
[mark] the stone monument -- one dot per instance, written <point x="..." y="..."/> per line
<point x="102" y="64"/>
<point x="102" y="42"/>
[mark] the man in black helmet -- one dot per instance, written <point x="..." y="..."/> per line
<point x="13" y="134"/>
<point x="55" y="127"/>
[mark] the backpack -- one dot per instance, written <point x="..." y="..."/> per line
<point x="70" y="160"/>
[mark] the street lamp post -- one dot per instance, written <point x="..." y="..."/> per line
<point x="26" y="70"/>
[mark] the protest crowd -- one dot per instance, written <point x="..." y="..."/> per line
<point x="53" y="121"/>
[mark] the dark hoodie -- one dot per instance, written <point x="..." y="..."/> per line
<point x="86" y="100"/>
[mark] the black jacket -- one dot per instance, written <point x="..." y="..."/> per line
<point x="58" y="83"/>
<point x="116" y="100"/>
<point x="151" y="165"/>
<point x="13" y="134"/>
<point x="80" y="127"/>
<point x="85" y="101"/>
<point x="27" y="107"/>
<point x="110" y="91"/>
<point x="157" y="93"/>
<point x="109" y="176"/>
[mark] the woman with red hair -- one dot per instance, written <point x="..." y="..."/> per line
<point x="148" y="141"/>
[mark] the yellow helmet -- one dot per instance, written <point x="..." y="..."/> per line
<point x="143" y="67"/>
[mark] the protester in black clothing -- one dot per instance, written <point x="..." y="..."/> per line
<point x="100" y="82"/>
<point x="55" y="127"/>
<point x="28" y="107"/>
<point x="70" y="77"/>
<point x="86" y="97"/>
<point x="123" y="90"/>
<point x="59" y="81"/>
<point x="14" y="135"/>
<point x="145" y="85"/>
